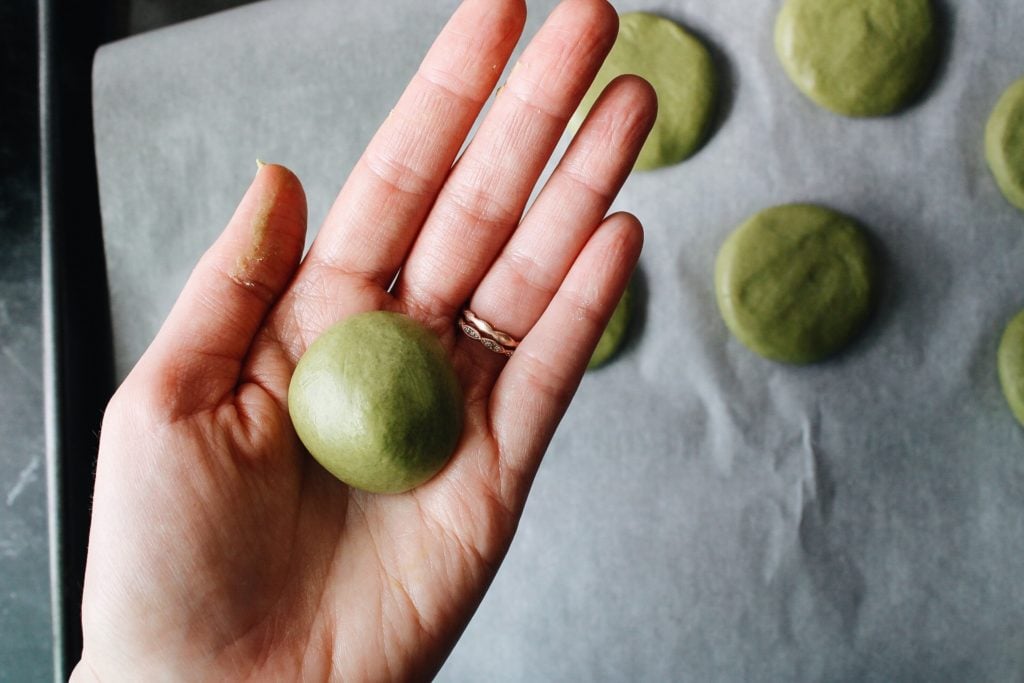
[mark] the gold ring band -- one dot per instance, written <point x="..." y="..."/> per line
<point x="480" y="330"/>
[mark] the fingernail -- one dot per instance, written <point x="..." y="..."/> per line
<point x="260" y="164"/>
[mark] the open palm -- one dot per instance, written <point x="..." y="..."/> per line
<point x="219" y="549"/>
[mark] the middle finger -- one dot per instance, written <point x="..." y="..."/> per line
<point x="483" y="199"/>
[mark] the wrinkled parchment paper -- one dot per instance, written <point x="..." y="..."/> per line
<point x="702" y="514"/>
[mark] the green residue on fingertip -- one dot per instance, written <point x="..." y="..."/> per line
<point x="259" y="249"/>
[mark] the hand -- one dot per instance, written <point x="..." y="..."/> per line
<point x="219" y="548"/>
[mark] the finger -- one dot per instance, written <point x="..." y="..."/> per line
<point x="387" y="196"/>
<point x="534" y="390"/>
<point x="196" y="358"/>
<point x="525" y="277"/>
<point x="485" y="194"/>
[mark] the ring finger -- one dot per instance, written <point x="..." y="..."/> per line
<point x="522" y="281"/>
<point x="483" y="199"/>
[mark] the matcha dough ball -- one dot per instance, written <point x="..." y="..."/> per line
<point x="615" y="333"/>
<point x="1004" y="143"/>
<point x="795" y="283"/>
<point x="375" y="400"/>
<point x="1011" y="365"/>
<point x="681" y="71"/>
<point x="857" y="57"/>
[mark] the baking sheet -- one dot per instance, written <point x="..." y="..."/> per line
<point x="702" y="514"/>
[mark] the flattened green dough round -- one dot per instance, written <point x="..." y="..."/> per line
<point x="375" y="400"/>
<point x="857" y="57"/>
<point x="682" y="73"/>
<point x="1004" y="143"/>
<point x="795" y="283"/>
<point x="615" y="333"/>
<point x="1011" y="365"/>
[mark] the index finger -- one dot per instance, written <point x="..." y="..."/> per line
<point x="378" y="212"/>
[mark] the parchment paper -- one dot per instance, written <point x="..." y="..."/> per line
<point x="702" y="514"/>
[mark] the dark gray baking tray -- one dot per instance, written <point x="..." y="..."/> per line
<point x="76" y="321"/>
<point x="77" y="375"/>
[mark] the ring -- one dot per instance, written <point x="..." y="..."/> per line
<point x="484" y="332"/>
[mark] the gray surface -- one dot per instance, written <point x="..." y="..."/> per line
<point x="702" y="514"/>
<point x="25" y="648"/>
<point x="25" y="640"/>
<point x="26" y="628"/>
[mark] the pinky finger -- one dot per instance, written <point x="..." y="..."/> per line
<point x="535" y="388"/>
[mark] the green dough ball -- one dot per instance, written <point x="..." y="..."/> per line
<point x="857" y="57"/>
<point x="375" y="400"/>
<point x="1004" y="143"/>
<point x="795" y="283"/>
<point x="681" y="71"/>
<point x="615" y="333"/>
<point x="1011" y="365"/>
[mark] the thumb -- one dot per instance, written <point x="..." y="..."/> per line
<point x="197" y="356"/>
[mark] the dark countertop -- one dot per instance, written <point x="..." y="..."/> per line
<point x="34" y="632"/>
<point x="25" y="613"/>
